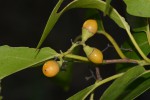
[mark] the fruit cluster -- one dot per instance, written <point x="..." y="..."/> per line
<point x="89" y="28"/>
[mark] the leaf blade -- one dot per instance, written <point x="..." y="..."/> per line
<point x="82" y="94"/>
<point x="138" y="7"/>
<point x="130" y="52"/>
<point x="140" y="85"/>
<point x="19" y="58"/>
<point x="97" y="4"/>
<point x="125" y="80"/>
<point x="139" y="24"/>
<point x="141" y="39"/>
<point x="54" y="16"/>
<point x="107" y="8"/>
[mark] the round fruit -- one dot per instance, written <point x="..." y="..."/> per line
<point x="94" y="54"/>
<point x="50" y="68"/>
<point x="89" y="28"/>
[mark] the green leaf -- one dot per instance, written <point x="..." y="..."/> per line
<point x="107" y="8"/>
<point x="139" y="24"/>
<point x="82" y="94"/>
<point x="142" y="41"/>
<point x="14" y="59"/>
<point x="96" y="4"/>
<point x="139" y="8"/>
<point x="88" y="90"/>
<point x="50" y="23"/>
<point x="139" y="86"/>
<point x="117" y="90"/>
<point x="130" y="52"/>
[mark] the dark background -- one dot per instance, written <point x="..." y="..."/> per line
<point x="22" y="23"/>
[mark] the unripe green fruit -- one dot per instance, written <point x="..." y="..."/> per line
<point x="89" y="28"/>
<point x="93" y="54"/>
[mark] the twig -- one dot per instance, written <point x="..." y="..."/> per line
<point x="125" y="60"/>
<point x="91" y="76"/>
<point x="98" y="73"/>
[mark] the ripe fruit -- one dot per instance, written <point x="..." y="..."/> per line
<point x="90" y="25"/>
<point x="89" y="28"/>
<point x="50" y="68"/>
<point x="93" y="54"/>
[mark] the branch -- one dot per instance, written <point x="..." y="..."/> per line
<point x="124" y="60"/>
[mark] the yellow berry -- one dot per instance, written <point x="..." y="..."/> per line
<point x="94" y="54"/>
<point x="91" y="25"/>
<point x="89" y="28"/>
<point x="50" y="68"/>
